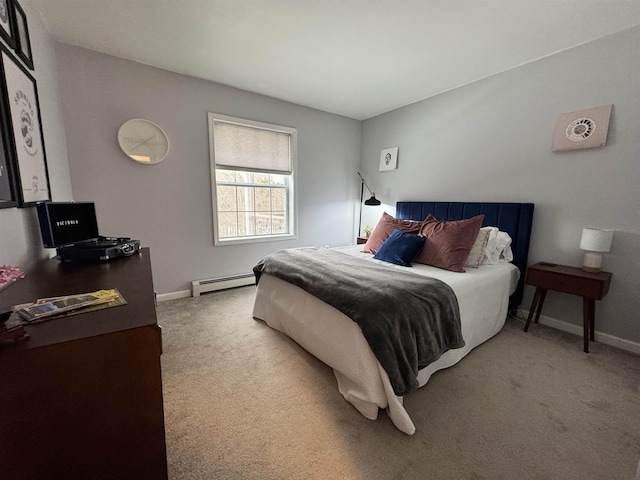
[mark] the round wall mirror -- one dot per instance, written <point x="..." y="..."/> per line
<point x="143" y="141"/>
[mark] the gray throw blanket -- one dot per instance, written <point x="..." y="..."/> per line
<point x="408" y="320"/>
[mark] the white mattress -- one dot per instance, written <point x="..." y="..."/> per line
<point x="483" y="297"/>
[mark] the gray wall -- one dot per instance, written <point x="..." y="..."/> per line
<point x="20" y="242"/>
<point x="168" y="205"/>
<point x="491" y="141"/>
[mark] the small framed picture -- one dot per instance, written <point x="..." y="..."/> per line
<point x="23" y="44"/>
<point x="21" y="110"/>
<point x="6" y="22"/>
<point x="388" y="159"/>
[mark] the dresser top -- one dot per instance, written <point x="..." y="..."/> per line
<point x="51" y="278"/>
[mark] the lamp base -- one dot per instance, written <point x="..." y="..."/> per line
<point x="590" y="269"/>
<point x="592" y="262"/>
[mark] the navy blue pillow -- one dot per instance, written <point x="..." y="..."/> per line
<point x="400" y="248"/>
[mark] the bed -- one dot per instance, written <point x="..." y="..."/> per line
<point x="484" y="296"/>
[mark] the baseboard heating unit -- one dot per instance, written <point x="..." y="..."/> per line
<point x="221" y="283"/>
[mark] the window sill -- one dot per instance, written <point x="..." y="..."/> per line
<point x="257" y="239"/>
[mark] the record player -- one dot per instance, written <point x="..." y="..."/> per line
<point x="72" y="229"/>
<point x="99" y="249"/>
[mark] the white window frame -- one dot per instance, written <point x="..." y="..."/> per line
<point x="292" y="191"/>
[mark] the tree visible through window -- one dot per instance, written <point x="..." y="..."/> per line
<point x="251" y="204"/>
<point x="252" y="184"/>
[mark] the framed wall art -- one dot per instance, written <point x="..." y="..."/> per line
<point x="23" y="44"/>
<point x="24" y="131"/>
<point x="388" y="159"/>
<point x="6" y="22"/>
<point x="582" y="129"/>
<point x="7" y="195"/>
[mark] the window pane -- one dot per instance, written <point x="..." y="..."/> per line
<point x="279" y="222"/>
<point x="263" y="199"/>
<point x="245" y="198"/>
<point x="278" y="179"/>
<point x="261" y="178"/>
<point x="244" y="177"/>
<point x="246" y="224"/>
<point x="279" y="199"/>
<point x="227" y="225"/>
<point x="263" y="223"/>
<point x="225" y="175"/>
<point x="226" y="198"/>
<point x="245" y="210"/>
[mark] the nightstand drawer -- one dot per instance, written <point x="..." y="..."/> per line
<point x="560" y="281"/>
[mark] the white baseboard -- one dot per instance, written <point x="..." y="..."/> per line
<point x="164" y="297"/>
<point x="605" y="338"/>
<point x="222" y="283"/>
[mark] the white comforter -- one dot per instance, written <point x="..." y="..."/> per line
<point x="483" y="297"/>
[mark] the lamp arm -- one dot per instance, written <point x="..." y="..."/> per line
<point x="365" y="184"/>
<point x="361" y="198"/>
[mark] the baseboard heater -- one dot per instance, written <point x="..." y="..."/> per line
<point x="221" y="283"/>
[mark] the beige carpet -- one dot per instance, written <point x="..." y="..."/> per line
<point x="243" y="401"/>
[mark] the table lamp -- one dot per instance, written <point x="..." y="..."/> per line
<point x="594" y="242"/>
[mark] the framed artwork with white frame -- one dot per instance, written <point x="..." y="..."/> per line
<point x="388" y="159"/>
<point x="25" y="139"/>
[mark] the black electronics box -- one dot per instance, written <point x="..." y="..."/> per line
<point x="66" y="223"/>
<point x="72" y="229"/>
<point x="99" y="250"/>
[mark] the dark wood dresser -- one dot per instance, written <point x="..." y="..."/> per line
<point x="82" y="397"/>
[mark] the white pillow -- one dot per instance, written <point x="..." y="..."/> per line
<point x="504" y="242"/>
<point x="476" y="255"/>
<point x="498" y="247"/>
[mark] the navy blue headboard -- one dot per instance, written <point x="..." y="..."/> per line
<point x="513" y="218"/>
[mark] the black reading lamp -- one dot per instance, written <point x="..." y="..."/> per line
<point x="373" y="201"/>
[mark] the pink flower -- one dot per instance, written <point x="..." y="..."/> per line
<point x="9" y="274"/>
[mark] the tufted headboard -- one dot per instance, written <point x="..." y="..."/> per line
<point x="513" y="218"/>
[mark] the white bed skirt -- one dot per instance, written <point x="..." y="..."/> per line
<point x="483" y="297"/>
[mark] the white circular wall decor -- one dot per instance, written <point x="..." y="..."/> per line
<point x="580" y="129"/>
<point x="143" y="141"/>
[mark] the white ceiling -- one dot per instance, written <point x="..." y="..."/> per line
<point x="357" y="58"/>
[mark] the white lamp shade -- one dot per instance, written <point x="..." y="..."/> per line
<point x="596" y="239"/>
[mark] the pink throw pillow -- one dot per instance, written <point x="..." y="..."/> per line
<point x="387" y="225"/>
<point x="448" y="244"/>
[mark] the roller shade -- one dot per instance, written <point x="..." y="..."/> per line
<point x="239" y="147"/>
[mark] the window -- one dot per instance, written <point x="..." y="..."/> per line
<point x="252" y="169"/>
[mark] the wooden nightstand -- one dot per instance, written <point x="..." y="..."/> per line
<point x="361" y="240"/>
<point x="572" y="280"/>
